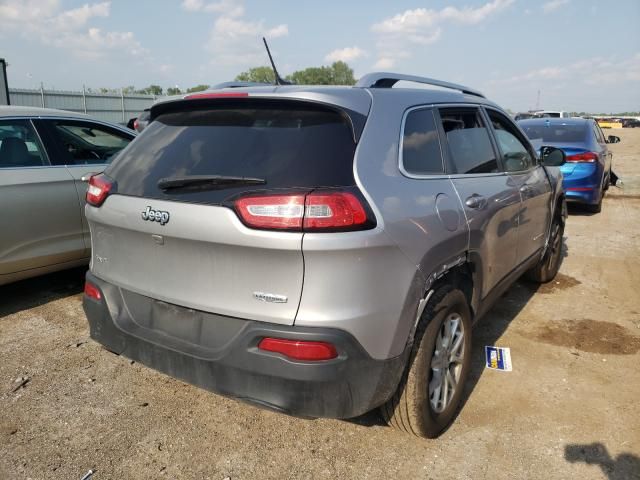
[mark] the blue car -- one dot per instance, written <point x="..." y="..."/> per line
<point x="587" y="172"/>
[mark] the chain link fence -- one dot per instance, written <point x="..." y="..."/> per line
<point x="110" y="107"/>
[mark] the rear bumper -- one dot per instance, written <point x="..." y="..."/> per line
<point x="583" y="185"/>
<point x="590" y="196"/>
<point x="220" y="354"/>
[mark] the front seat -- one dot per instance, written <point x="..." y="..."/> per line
<point x="14" y="153"/>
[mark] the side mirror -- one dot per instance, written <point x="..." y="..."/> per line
<point x="552" y="156"/>
<point x="613" y="139"/>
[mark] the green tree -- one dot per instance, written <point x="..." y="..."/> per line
<point x="129" y="89"/>
<point x="342" y="74"/>
<point x="312" y="76"/>
<point x="197" y="88"/>
<point x="257" y="74"/>
<point x="339" y="73"/>
<point x="173" y="91"/>
<point x="152" y="90"/>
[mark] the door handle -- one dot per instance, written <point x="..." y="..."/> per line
<point x="476" y="201"/>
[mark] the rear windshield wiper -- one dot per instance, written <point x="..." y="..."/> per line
<point x="206" y="182"/>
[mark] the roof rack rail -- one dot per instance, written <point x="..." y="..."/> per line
<point x="388" y="80"/>
<point x="238" y="84"/>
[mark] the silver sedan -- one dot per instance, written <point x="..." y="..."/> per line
<point x="44" y="156"/>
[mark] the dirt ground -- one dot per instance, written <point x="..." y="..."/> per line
<point x="569" y="409"/>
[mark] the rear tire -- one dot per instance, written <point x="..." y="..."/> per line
<point x="596" y="208"/>
<point x="549" y="264"/>
<point x="432" y="385"/>
<point x="607" y="181"/>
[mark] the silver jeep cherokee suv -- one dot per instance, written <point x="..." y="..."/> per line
<point x="321" y="251"/>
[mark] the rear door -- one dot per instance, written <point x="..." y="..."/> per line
<point x="520" y="162"/>
<point x="40" y="222"/>
<point x="82" y="147"/>
<point x="200" y="254"/>
<point x="489" y="196"/>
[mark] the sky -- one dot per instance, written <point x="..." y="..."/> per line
<point x="575" y="55"/>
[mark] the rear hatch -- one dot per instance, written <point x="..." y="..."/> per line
<point x="170" y="229"/>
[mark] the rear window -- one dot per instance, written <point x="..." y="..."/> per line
<point x="555" y="132"/>
<point x="288" y="144"/>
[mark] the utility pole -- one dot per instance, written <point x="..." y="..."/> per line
<point x="84" y="99"/>
<point x="538" y="101"/>
<point x="4" y="84"/>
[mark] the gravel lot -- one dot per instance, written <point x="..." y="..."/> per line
<point x="569" y="409"/>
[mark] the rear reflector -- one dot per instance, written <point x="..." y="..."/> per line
<point x="298" y="349"/>
<point x="91" y="291"/>
<point x="587" y="157"/>
<point x="216" y="95"/>
<point x="580" y="189"/>
<point x="314" y="212"/>
<point x="99" y="188"/>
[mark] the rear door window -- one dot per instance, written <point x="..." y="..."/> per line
<point x="287" y="144"/>
<point x="468" y="141"/>
<point x="421" y="154"/>
<point x="19" y="145"/>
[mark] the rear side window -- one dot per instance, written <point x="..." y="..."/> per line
<point x="468" y="141"/>
<point x="598" y="133"/>
<point x="287" y="144"/>
<point x="420" y="144"/>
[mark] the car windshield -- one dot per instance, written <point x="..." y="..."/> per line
<point x="555" y="132"/>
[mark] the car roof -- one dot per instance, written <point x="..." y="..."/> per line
<point x="354" y="98"/>
<point x="17" y="111"/>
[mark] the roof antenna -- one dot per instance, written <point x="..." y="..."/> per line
<point x="279" y="80"/>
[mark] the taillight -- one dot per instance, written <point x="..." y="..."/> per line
<point x="333" y="210"/>
<point x="321" y="211"/>
<point x="135" y="124"/>
<point x="91" y="291"/>
<point x="280" y="212"/>
<point x="586" y="157"/>
<point x="299" y="349"/>
<point x="99" y="188"/>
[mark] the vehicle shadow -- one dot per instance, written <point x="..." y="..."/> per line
<point x="625" y="466"/>
<point x="577" y="210"/>
<point x="486" y="332"/>
<point x="37" y="291"/>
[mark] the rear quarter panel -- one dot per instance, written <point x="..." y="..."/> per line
<point x="406" y="213"/>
